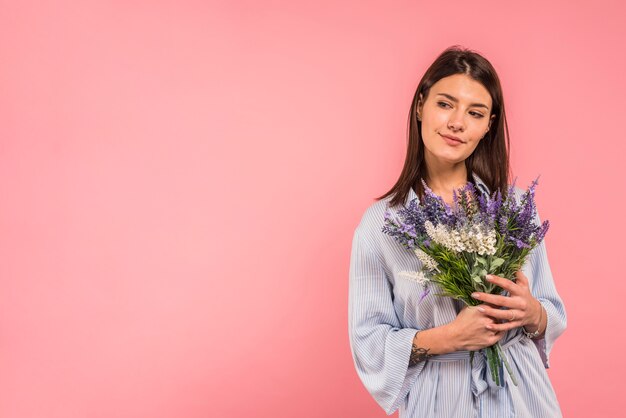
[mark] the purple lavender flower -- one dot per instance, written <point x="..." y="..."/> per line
<point x="408" y="229"/>
<point x="490" y="208"/>
<point x="424" y="293"/>
<point x="518" y="242"/>
<point x="435" y="209"/>
<point x="521" y="228"/>
<point x="542" y="231"/>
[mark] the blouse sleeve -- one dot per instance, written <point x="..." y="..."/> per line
<point x="543" y="288"/>
<point x="380" y="346"/>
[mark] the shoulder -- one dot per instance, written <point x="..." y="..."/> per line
<point x="372" y="221"/>
<point x="373" y="216"/>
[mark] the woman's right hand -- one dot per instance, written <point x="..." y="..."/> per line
<point x="469" y="330"/>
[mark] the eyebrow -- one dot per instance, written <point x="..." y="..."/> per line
<point x="454" y="99"/>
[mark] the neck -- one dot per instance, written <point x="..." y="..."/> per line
<point x="443" y="179"/>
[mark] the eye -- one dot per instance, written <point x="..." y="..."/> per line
<point x="475" y="114"/>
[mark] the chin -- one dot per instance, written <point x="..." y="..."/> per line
<point x="451" y="159"/>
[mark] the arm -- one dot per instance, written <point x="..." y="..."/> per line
<point x="537" y="325"/>
<point x="431" y="342"/>
<point x="544" y="290"/>
<point x="380" y="346"/>
<point x="469" y="331"/>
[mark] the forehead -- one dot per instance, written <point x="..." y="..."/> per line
<point x="464" y="88"/>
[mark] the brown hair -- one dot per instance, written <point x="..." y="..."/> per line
<point x="490" y="159"/>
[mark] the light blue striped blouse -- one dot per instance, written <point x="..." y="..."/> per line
<point x="384" y="315"/>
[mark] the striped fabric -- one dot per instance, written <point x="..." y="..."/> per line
<point x="384" y="315"/>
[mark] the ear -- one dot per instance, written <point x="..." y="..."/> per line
<point x="420" y="105"/>
<point x="491" y="120"/>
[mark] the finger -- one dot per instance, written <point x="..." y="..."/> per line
<point x="505" y="326"/>
<point x="503" y="314"/>
<point x="522" y="279"/>
<point x="499" y="334"/>
<point x="506" y="284"/>
<point x="497" y="300"/>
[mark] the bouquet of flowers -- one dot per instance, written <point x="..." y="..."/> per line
<point x="458" y="246"/>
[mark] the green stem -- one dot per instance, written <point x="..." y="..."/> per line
<point x="493" y="364"/>
<point x="506" y="363"/>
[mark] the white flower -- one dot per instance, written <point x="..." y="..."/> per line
<point x="416" y="276"/>
<point x="483" y="241"/>
<point x="441" y="235"/>
<point x="426" y="260"/>
<point x="472" y="238"/>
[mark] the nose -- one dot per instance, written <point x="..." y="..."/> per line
<point x="456" y="121"/>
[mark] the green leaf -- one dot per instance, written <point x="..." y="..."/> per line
<point x="497" y="262"/>
<point x="477" y="279"/>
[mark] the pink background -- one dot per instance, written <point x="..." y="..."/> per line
<point x="180" y="181"/>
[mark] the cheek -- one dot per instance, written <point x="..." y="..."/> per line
<point x="436" y="119"/>
<point x="478" y="132"/>
<point x="473" y="145"/>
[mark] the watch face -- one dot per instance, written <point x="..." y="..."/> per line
<point x="531" y="334"/>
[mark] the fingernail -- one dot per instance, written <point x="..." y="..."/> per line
<point x="475" y="295"/>
<point x="489" y="277"/>
<point x="488" y="327"/>
<point x="481" y="309"/>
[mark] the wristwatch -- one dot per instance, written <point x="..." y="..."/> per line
<point x="531" y="335"/>
<point x="535" y="334"/>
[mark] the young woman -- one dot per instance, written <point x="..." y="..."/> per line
<point x="413" y="355"/>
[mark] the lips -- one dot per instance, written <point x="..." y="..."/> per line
<point x="453" y="138"/>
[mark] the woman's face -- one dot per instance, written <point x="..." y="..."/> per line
<point x="457" y="106"/>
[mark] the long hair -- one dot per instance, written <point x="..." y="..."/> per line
<point x="490" y="159"/>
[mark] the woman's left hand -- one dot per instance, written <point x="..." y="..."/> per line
<point x="523" y="308"/>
